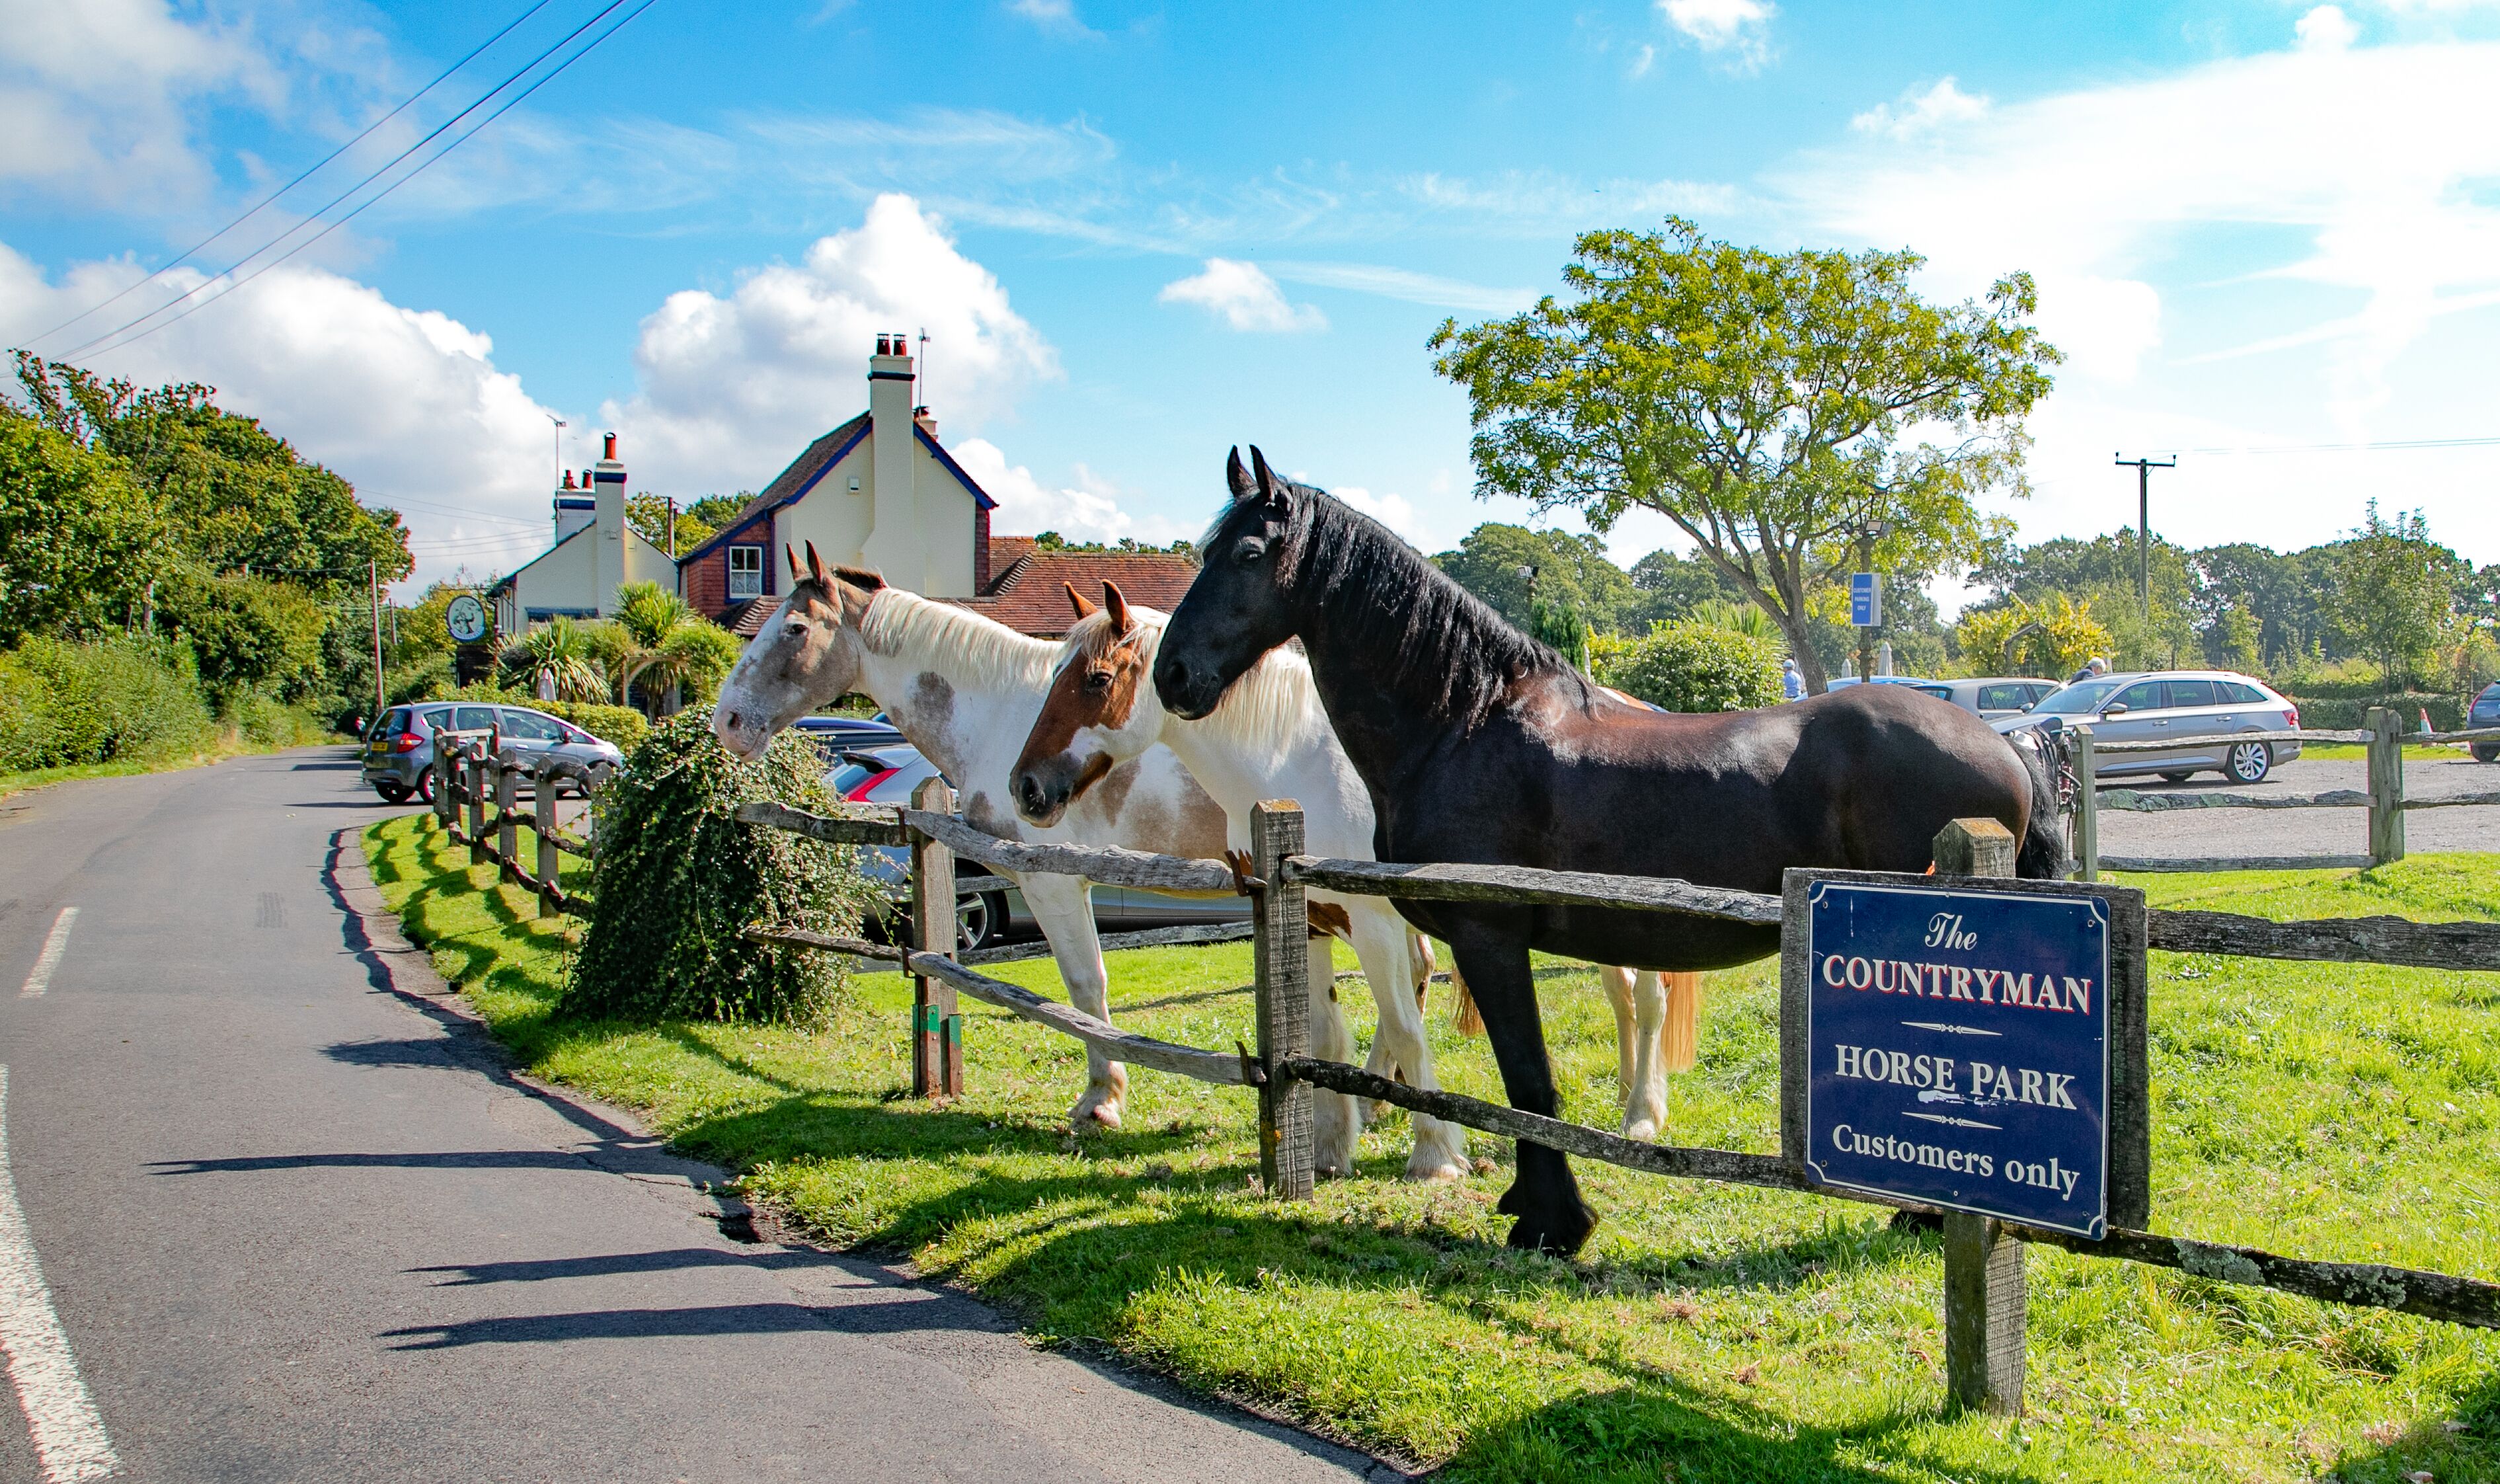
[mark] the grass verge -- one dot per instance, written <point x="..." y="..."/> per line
<point x="1709" y="1332"/>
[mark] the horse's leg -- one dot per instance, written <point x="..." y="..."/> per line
<point x="1065" y="908"/>
<point x="1679" y="1046"/>
<point x="1384" y="944"/>
<point x="1645" y="1094"/>
<point x="1617" y="982"/>
<point x="1490" y="944"/>
<point x="1336" y="1118"/>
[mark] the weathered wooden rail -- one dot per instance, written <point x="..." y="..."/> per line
<point x="2384" y="798"/>
<point x="470" y="772"/>
<point x="1984" y="1283"/>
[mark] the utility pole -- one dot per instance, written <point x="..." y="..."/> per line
<point x="673" y="528"/>
<point x="373" y="593"/>
<point x="2144" y="468"/>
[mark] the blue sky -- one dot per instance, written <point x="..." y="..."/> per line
<point x="1137" y="234"/>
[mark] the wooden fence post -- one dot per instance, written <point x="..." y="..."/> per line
<point x="1986" y="1293"/>
<point x="508" y="830"/>
<point x="2087" y="812"/>
<point x="544" y="787"/>
<point x="1281" y="976"/>
<point x="474" y="758"/>
<point x="936" y="1028"/>
<point x="2386" y="785"/>
<point x="447" y="801"/>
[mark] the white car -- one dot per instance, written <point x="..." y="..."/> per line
<point x="1992" y="696"/>
<point x="2207" y="707"/>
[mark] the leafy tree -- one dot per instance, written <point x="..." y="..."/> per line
<point x="1052" y="541"/>
<point x="697" y="524"/>
<point x="2100" y="574"/>
<point x="1763" y="402"/>
<point x="2395" y="589"/>
<point x="1683" y="666"/>
<point x="1672" y="585"/>
<point x="1570" y="572"/>
<point x="2050" y="639"/>
<point x="78" y="539"/>
<point x="659" y="643"/>
<point x="250" y="633"/>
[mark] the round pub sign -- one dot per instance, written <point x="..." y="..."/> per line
<point x="466" y="619"/>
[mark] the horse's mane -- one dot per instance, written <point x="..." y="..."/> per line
<point x="1272" y="701"/>
<point x="987" y="652"/>
<point x="1440" y="647"/>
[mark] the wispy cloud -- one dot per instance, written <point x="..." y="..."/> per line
<point x="1738" y="30"/>
<point x="1917" y="112"/>
<point x="1400" y="284"/>
<point x="1244" y="297"/>
<point x="1056" y="16"/>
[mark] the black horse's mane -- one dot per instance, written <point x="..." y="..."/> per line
<point x="1449" y="653"/>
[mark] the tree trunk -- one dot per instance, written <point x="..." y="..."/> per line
<point x="1800" y="644"/>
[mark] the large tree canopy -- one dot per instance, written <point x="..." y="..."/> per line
<point x="1772" y="405"/>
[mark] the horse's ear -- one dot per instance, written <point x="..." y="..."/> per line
<point x="795" y="573"/>
<point x="816" y="567"/>
<point x="1118" y="607"/>
<point x="1077" y="601"/>
<point x="861" y="577"/>
<point x="1269" y="485"/>
<point x="1237" y="478"/>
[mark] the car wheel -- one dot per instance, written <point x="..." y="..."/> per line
<point x="2486" y="753"/>
<point x="392" y="792"/>
<point x="425" y="785"/>
<point x="980" y="919"/>
<point x="2251" y="762"/>
<point x="2175" y="778"/>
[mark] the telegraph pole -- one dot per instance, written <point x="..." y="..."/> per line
<point x="2144" y="468"/>
<point x="373" y="593"/>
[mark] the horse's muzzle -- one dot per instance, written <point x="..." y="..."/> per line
<point x="1039" y="802"/>
<point x="1180" y="688"/>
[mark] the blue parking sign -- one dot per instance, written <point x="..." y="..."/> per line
<point x="1958" y="1049"/>
<point x="1865" y="600"/>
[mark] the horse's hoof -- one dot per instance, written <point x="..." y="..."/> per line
<point x="1559" y="1232"/>
<point x="1641" y="1128"/>
<point x="1424" y="1170"/>
<point x="1105" y="1114"/>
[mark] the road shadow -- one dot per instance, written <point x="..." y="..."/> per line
<point x="618" y="1263"/>
<point x="908" y="1311"/>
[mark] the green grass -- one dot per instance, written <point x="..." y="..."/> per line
<point x="1709" y="1332"/>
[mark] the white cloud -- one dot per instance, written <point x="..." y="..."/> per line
<point x="95" y="97"/>
<point x="1642" y="61"/>
<point x="1918" y="112"/>
<point x="1088" y="511"/>
<point x="732" y="388"/>
<point x="1056" y="15"/>
<point x="1739" y="27"/>
<point x="1413" y="288"/>
<point x="406" y="404"/>
<point x="2325" y="29"/>
<point x="1396" y="512"/>
<point x="1242" y="297"/>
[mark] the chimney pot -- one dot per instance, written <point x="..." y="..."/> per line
<point x="609" y="452"/>
<point x="568" y="478"/>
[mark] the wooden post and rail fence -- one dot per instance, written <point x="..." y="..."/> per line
<point x="2383" y="797"/>
<point x="467" y="772"/>
<point x="1984" y="1240"/>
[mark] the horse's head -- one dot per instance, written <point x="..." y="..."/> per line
<point x="1099" y="711"/>
<point x="807" y="655"/>
<point x="1241" y="604"/>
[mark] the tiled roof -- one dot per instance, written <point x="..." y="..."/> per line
<point x="747" y="617"/>
<point x="1026" y="596"/>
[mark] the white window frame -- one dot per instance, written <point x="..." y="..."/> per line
<point x="748" y="583"/>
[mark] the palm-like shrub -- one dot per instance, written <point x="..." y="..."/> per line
<point x="563" y="656"/>
<point x="678" y="877"/>
<point x="660" y="642"/>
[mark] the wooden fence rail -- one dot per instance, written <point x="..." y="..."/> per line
<point x="467" y="772"/>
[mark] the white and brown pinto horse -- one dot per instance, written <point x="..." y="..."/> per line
<point x="1270" y="738"/>
<point x="964" y="689"/>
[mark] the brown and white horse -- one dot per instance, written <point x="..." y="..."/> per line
<point x="965" y="690"/>
<point x="1270" y="738"/>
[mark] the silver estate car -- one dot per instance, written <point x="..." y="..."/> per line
<point x="2204" y="707"/>
<point x="399" y="747"/>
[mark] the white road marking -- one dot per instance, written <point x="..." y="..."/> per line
<point x="55" y="943"/>
<point x="68" y="1436"/>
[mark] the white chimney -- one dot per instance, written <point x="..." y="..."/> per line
<point x="574" y="508"/>
<point x="608" y="494"/>
<point x="892" y="544"/>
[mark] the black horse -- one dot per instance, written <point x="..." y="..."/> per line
<point x="1480" y="744"/>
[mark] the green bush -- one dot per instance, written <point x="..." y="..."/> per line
<point x="2340" y="713"/>
<point x="64" y="705"/>
<point x="1687" y="666"/>
<point x="678" y="877"/>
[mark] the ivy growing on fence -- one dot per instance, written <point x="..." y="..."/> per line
<point x="678" y="877"/>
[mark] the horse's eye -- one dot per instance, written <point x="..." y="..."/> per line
<point x="1250" y="551"/>
<point x="1098" y="679"/>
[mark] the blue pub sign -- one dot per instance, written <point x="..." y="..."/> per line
<point x="1865" y="601"/>
<point x="1960" y="1050"/>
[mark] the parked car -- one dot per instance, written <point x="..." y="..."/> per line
<point x="399" y="746"/>
<point x="833" y="736"/>
<point x="2485" y="712"/>
<point x="1994" y="697"/>
<point x="989" y="908"/>
<point x="2206" y="705"/>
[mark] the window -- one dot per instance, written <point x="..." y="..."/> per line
<point x="2005" y="698"/>
<point x="2239" y="693"/>
<point x="439" y="719"/>
<point x="2143" y="696"/>
<point x="530" y="726"/>
<point x="2189" y="692"/>
<point x="473" y="718"/>
<point x="746" y="571"/>
<point x="1940" y="692"/>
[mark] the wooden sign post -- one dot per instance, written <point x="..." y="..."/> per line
<point x="1281" y="979"/>
<point x="1987" y="1290"/>
<point x="936" y="1028"/>
<point x="474" y="766"/>
<point x="2087" y="813"/>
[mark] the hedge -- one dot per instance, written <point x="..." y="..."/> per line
<point x="2340" y="713"/>
<point x="1682" y="666"/>
<point x="64" y="705"/>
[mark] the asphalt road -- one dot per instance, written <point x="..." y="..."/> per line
<point x="276" y="1218"/>
<point x="2247" y="832"/>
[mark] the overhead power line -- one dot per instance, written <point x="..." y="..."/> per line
<point x="185" y="255"/>
<point x="2391" y="444"/>
<point x="230" y="283"/>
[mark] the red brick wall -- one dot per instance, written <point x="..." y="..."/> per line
<point x="708" y="583"/>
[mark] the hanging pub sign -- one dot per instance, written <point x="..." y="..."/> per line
<point x="1962" y="1047"/>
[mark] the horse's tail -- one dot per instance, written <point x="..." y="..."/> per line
<point x="1462" y="1009"/>
<point x="2042" y="854"/>
<point x="1680" y="1040"/>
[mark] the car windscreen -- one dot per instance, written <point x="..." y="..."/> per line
<point x="2080" y="699"/>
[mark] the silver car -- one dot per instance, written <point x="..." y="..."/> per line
<point x="399" y="747"/>
<point x="989" y="908"/>
<point x="1994" y="697"/>
<point x="2204" y="707"/>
